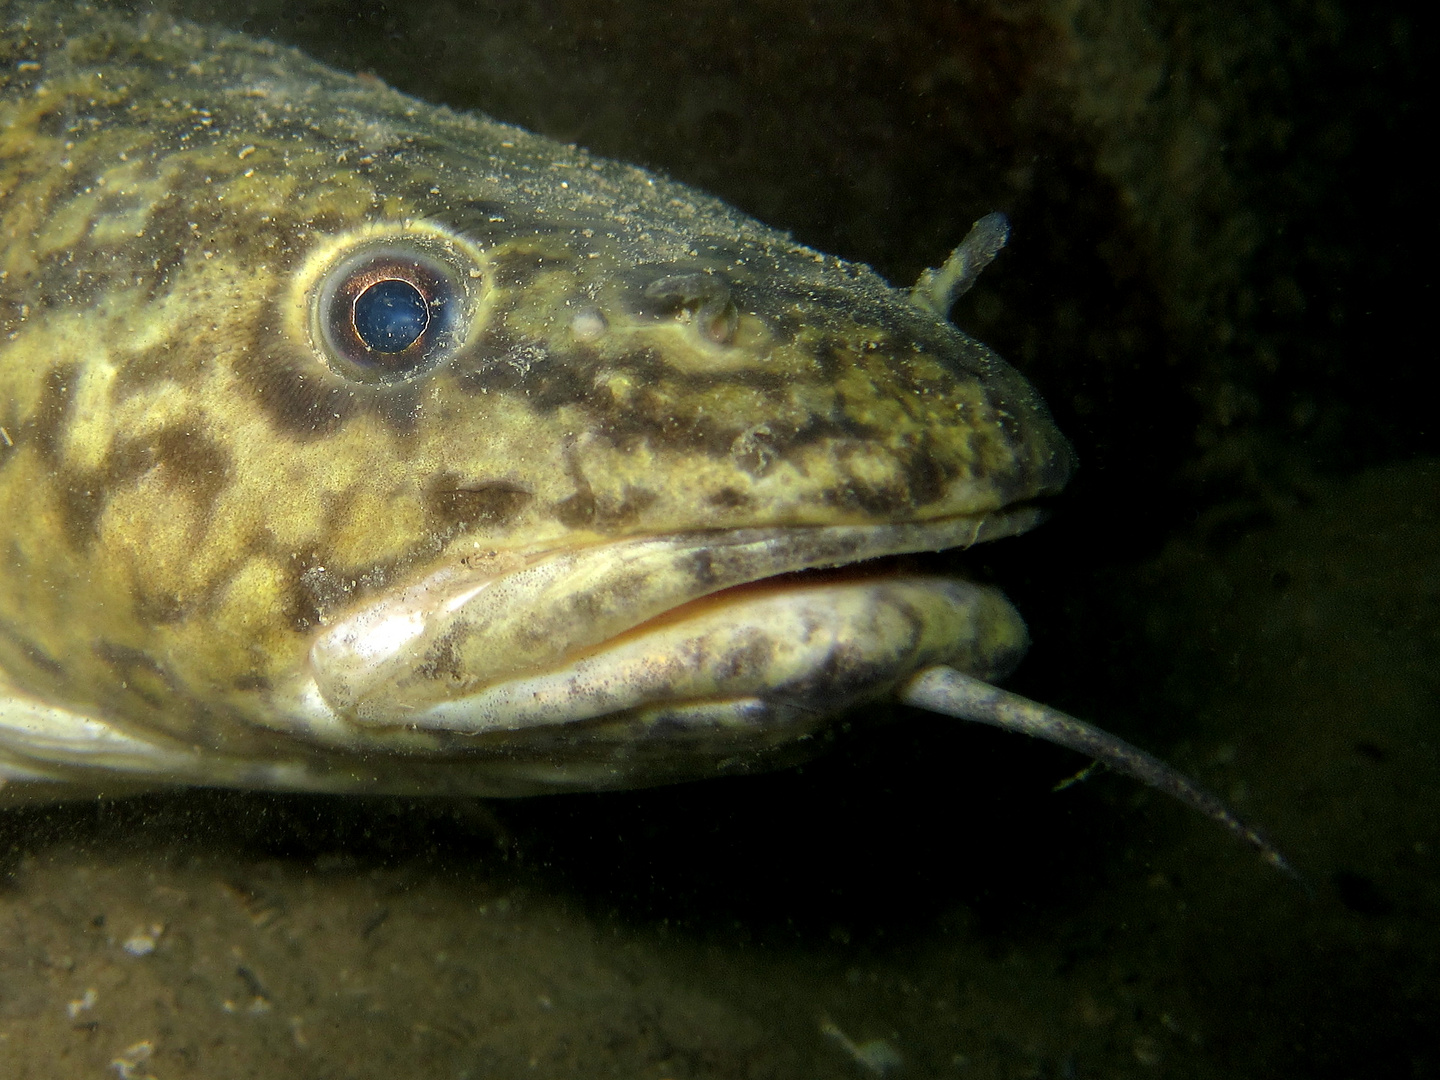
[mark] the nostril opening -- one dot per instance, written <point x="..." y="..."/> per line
<point x="718" y="320"/>
<point x="700" y="298"/>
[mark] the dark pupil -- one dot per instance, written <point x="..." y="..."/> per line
<point x="390" y="315"/>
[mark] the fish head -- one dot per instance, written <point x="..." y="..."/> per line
<point x="341" y="422"/>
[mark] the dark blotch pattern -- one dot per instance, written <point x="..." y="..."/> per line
<point x="516" y="269"/>
<point x="729" y="498"/>
<point x="487" y="503"/>
<point x="139" y="672"/>
<point x="312" y="404"/>
<point x="47" y="419"/>
<point x="32" y="653"/>
<point x="191" y="464"/>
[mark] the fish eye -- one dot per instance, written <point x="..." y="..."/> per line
<point x="390" y="316"/>
<point x="391" y="310"/>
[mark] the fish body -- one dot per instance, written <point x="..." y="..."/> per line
<point x="351" y="443"/>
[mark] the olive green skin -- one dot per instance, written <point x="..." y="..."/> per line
<point x="192" y="485"/>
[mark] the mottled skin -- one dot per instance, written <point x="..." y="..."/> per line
<point x="189" y="493"/>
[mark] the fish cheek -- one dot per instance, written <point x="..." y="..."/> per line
<point x="305" y="402"/>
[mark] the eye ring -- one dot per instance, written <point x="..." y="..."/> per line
<point x="393" y="308"/>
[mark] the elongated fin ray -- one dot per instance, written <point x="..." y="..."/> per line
<point x="944" y="690"/>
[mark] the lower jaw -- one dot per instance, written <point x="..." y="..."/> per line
<point x="820" y="645"/>
<point x="463" y="629"/>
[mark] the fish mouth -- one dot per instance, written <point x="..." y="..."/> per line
<point x="719" y="619"/>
